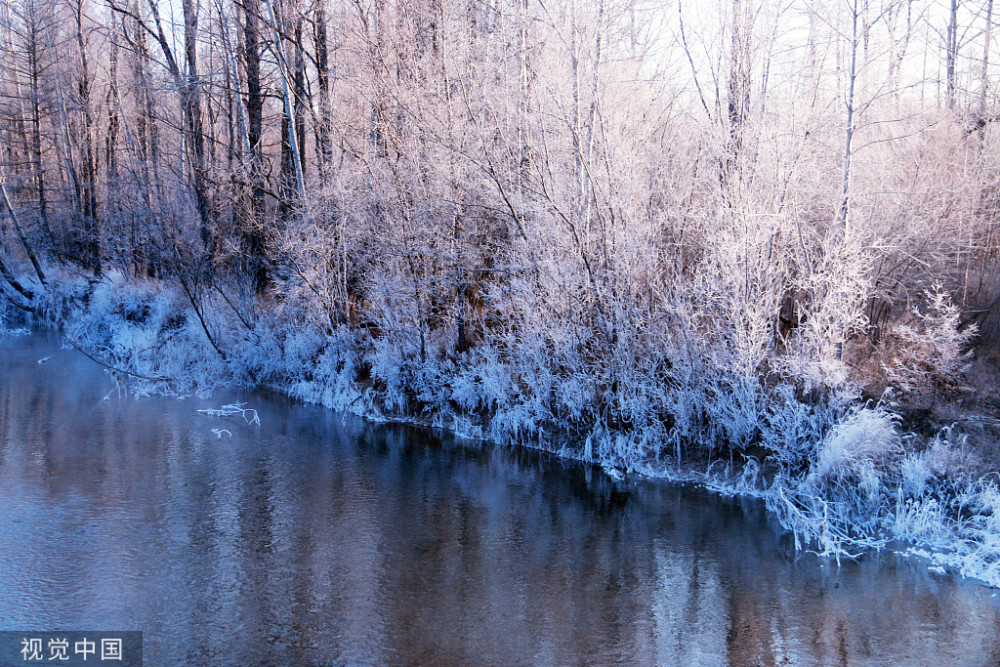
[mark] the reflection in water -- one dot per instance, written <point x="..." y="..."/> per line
<point x="320" y="540"/>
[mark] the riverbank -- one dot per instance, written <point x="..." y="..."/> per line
<point x="844" y="474"/>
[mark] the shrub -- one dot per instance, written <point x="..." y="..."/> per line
<point x="933" y="352"/>
<point x="855" y="447"/>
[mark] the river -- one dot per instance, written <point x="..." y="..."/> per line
<point x="318" y="539"/>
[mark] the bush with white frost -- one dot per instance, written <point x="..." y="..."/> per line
<point x="933" y="351"/>
<point x="856" y="447"/>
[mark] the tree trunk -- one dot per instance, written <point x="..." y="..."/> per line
<point x="984" y="82"/>
<point x="33" y="44"/>
<point x="323" y="140"/>
<point x="88" y="189"/>
<point x="191" y="102"/>
<point x="951" y="54"/>
<point x="252" y="224"/>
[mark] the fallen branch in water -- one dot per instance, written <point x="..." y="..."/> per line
<point x="232" y="409"/>
<point x="114" y="368"/>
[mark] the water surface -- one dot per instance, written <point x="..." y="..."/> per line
<point x="316" y="539"/>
